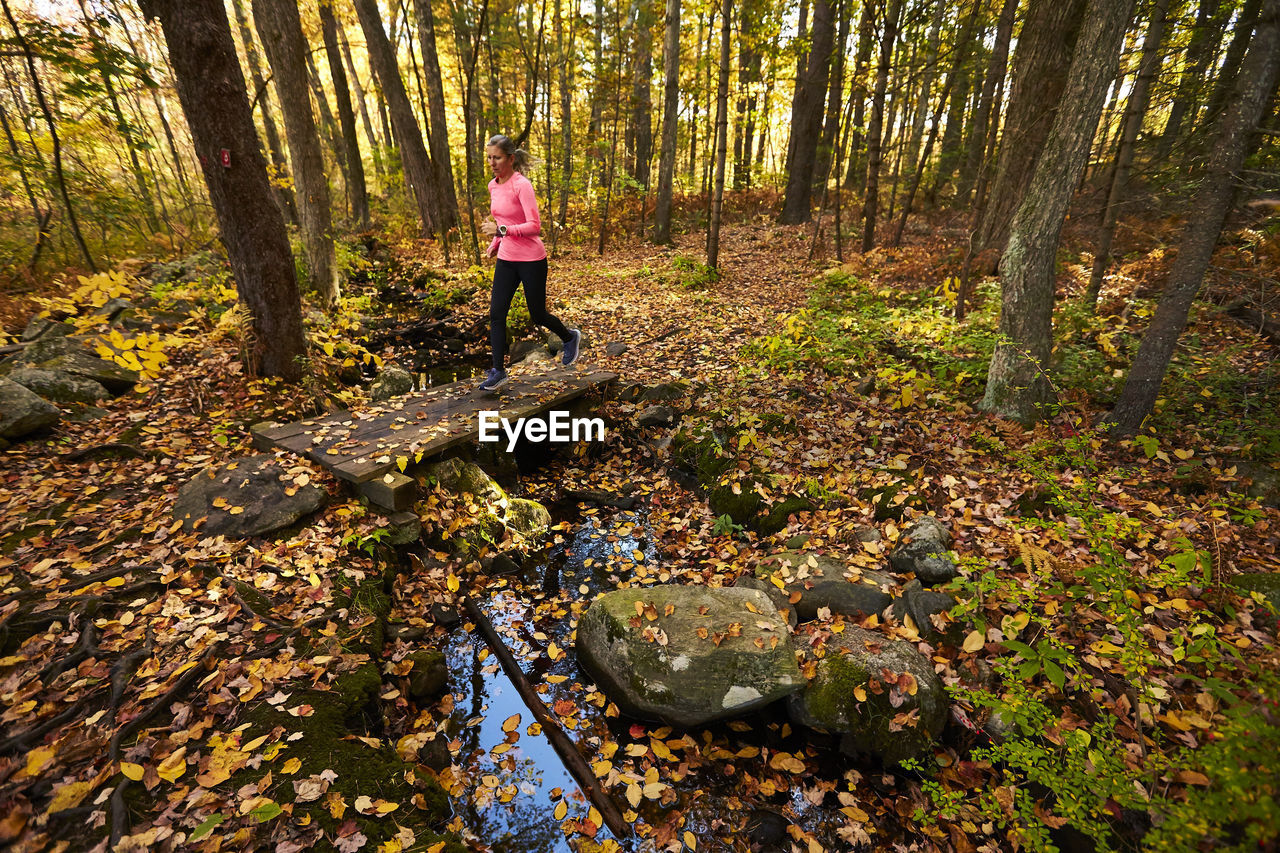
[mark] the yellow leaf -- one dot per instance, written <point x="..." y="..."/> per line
<point x="562" y="809"/>
<point x="38" y="759"/>
<point x="69" y="796"/>
<point x="510" y="723"/>
<point x="690" y="841"/>
<point x="1103" y="647"/>
<point x="402" y="462"/>
<point x="293" y="765"/>
<point x="973" y="642"/>
<point x="634" y="795"/>
<point x="328" y="348"/>
<point x="855" y="813"/>
<point x="172" y="768"/>
<point x="594" y="817"/>
<point x="131" y="770"/>
<point x="453" y="583"/>
<point x="602" y="768"/>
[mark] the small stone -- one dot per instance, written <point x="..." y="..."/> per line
<point x="445" y="616"/>
<point x="656" y="416"/>
<point x="393" y="381"/>
<point x="616" y="348"/>
<point x="429" y="677"/>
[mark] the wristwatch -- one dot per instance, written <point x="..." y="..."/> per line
<point x="502" y="230"/>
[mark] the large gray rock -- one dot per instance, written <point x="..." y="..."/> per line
<point x="40" y="327"/>
<point x="59" y="387"/>
<point x="249" y="496"/>
<point x="68" y="355"/>
<point x="391" y="382"/>
<point x="823" y="581"/>
<point x="923" y="552"/>
<point x="23" y="412"/>
<point x="905" y="705"/>
<point x="108" y="374"/>
<point x="777" y="596"/>
<point x="688" y="655"/>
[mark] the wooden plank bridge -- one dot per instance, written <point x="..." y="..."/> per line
<point x="365" y="446"/>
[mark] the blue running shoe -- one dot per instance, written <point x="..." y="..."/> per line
<point x="572" y="347"/>
<point x="494" y="379"/>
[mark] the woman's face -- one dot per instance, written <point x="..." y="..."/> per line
<point x="499" y="162"/>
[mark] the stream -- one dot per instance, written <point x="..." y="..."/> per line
<point x="509" y="784"/>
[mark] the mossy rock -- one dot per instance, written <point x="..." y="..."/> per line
<point x="528" y="518"/>
<point x="891" y="723"/>
<point x="775" y="519"/>
<point x="890" y="501"/>
<point x="362" y="770"/>
<point x="701" y="455"/>
<point x="741" y="506"/>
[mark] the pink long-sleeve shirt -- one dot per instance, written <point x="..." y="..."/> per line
<point x="514" y="205"/>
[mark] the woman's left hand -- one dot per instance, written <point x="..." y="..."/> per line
<point x="489" y="228"/>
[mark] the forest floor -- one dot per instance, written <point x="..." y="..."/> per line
<point x="1137" y="687"/>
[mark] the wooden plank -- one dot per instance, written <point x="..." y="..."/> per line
<point x="368" y="465"/>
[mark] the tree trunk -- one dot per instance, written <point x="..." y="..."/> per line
<point x="858" y="91"/>
<point x="420" y="175"/>
<point x="973" y="163"/>
<point x="806" y="118"/>
<point x="1040" y="68"/>
<point x="122" y="125"/>
<point x="567" y="66"/>
<point x="356" y="190"/>
<point x="440" y="156"/>
<point x="260" y="96"/>
<point x="211" y="88"/>
<point x="889" y="35"/>
<point x="670" y="122"/>
<point x="1148" y="68"/>
<point x="1017" y="386"/>
<point x="375" y="147"/>
<point x="280" y="31"/>
<point x="835" y="97"/>
<point x="926" y="84"/>
<point x="325" y="124"/>
<point x="722" y="134"/>
<point x="59" y="176"/>
<point x="1212" y="203"/>
<point x="950" y="150"/>
<point x="692" y="171"/>
<point x="640" y="134"/>
<point x="1227" y="73"/>
<point x="1200" y="50"/>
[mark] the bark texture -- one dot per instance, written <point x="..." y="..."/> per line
<point x="419" y="174"/>
<point x="1212" y="203"/>
<point x="1017" y="384"/>
<point x="280" y="30"/>
<point x="356" y="189"/>
<point x="1040" y="73"/>
<point x="670" y="121"/>
<point x="806" y="117"/>
<point x="212" y="91"/>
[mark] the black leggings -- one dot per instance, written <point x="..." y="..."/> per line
<point x="507" y="276"/>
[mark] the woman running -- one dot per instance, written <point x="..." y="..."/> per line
<point x="521" y="256"/>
